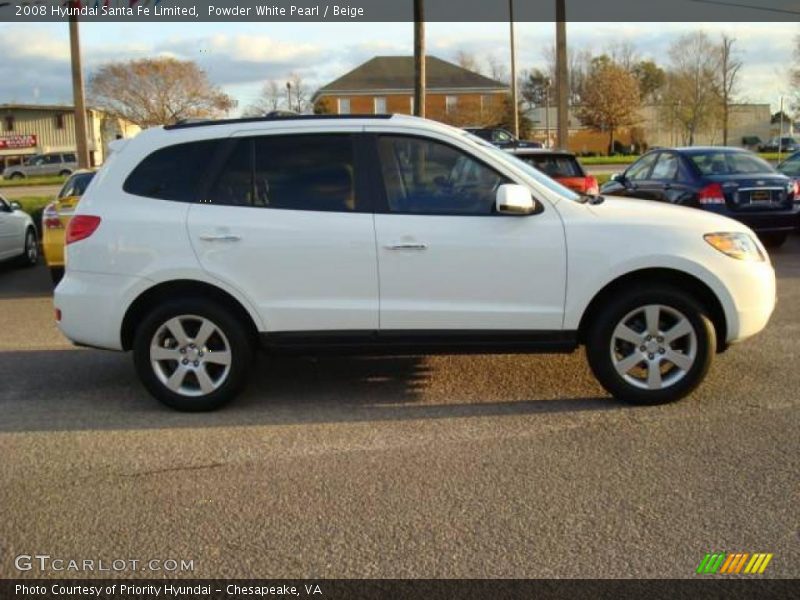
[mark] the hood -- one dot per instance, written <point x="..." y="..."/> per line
<point x="660" y="214"/>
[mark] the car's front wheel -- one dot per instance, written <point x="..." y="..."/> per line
<point x="192" y="355"/>
<point x="651" y="345"/>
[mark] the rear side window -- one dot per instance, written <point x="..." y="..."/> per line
<point x="302" y="172"/>
<point x="172" y="173"/>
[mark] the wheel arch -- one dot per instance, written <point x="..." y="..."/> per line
<point x="178" y="288"/>
<point x="682" y="280"/>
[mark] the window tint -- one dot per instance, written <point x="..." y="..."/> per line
<point x="500" y="135"/>
<point x="311" y="172"/>
<point x="173" y="172"/>
<point x="641" y="168"/>
<point x="554" y="165"/>
<point x="666" y="167"/>
<point x="76" y="185"/>
<point x="426" y="177"/>
<point x="729" y="163"/>
<point x="4" y="207"/>
<point x="52" y="159"/>
<point x="70" y="158"/>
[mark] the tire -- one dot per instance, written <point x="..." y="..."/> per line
<point x="653" y="379"/>
<point x="16" y="175"/>
<point x="30" y="254"/>
<point x="187" y="364"/>
<point x="56" y="274"/>
<point x="773" y="240"/>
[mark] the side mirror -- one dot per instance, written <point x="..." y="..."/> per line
<point x="15" y="205"/>
<point x="513" y="199"/>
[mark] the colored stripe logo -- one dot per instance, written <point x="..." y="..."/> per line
<point x="726" y="563"/>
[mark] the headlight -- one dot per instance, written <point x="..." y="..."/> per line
<point x="736" y="245"/>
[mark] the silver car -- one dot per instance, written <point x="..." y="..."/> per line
<point x="40" y="165"/>
<point x="17" y="234"/>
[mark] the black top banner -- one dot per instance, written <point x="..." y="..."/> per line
<point x="398" y="10"/>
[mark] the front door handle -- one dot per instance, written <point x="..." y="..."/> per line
<point x="220" y="238"/>
<point x="407" y="246"/>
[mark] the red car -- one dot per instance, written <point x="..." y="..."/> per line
<point x="561" y="166"/>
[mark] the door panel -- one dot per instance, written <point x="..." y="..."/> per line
<point x="492" y="272"/>
<point x="447" y="260"/>
<point x="285" y="222"/>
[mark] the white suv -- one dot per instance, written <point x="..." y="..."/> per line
<point x="198" y="242"/>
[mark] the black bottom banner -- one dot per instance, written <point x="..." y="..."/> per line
<point x="379" y="589"/>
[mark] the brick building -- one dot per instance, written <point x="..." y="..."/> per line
<point x="385" y="84"/>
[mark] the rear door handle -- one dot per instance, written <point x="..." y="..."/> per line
<point x="407" y="246"/>
<point x="220" y="238"/>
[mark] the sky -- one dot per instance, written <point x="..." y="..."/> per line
<point x="241" y="57"/>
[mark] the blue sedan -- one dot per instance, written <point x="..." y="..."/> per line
<point x="729" y="181"/>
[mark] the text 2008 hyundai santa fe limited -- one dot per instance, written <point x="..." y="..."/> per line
<point x="198" y="242"/>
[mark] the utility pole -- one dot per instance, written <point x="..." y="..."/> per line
<point x="78" y="97"/>
<point x="514" y="101"/>
<point x="289" y="95"/>
<point x="780" y="135"/>
<point x="562" y="76"/>
<point x="419" y="58"/>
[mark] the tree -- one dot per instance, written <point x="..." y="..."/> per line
<point x="728" y="73"/>
<point x="496" y="68"/>
<point x="794" y="74"/>
<point x="651" y="79"/>
<point x="271" y="98"/>
<point x="157" y="91"/>
<point x="578" y="67"/>
<point x="466" y="60"/>
<point x="297" y="94"/>
<point x="690" y="83"/>
<point x="611" y="99"/>
<point x="535" y="88"/>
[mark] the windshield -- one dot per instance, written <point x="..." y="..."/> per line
<point x="729" y="163"/>
<point x="528" y="169"/>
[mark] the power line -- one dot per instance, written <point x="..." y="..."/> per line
<point x="749" y="6"/>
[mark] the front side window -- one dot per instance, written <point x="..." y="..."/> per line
<point x="173" y="172"/>
<point x="666" y="167"/>
<point x="427" y="177"/>
<point x="307" y="172"/>
<point x="641" y="168"/>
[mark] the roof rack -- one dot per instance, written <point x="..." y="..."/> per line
<point x="276" y="115"/>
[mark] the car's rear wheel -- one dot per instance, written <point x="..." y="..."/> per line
<point x="773" y="240"/>
<point x="651" y="346"/>
<point x="30" y="253"/>
<point x="16" y="176"/>
<point x="192" y="355"/>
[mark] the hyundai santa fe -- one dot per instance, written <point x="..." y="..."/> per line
<point x="197" y="243"/>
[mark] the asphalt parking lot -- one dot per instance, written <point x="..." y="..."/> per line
<point x="483" y="466"/>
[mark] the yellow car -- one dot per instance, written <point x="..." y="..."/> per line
<point x="55" y="218"/>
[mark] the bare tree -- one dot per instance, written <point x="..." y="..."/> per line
<point x="578" y="67"/>
<point x="497" y="69"/>
<point x="795" y="75"/>
<point x="467" y="60"/>
<point x="694" y="64"/>
<point x="299" y="100"/>
<point x="271" y="98"/>
<point x="157" y="91"/>
<point x="729" y="67"/>
<point x="624" y="54"/>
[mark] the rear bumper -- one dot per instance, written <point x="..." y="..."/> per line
<point x="766" y="221"/>
<point x="93" y="306"/>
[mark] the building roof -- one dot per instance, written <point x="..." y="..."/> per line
<point x="47" y="107"/>
<point x="396" y="74"/>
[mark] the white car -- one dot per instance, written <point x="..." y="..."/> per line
<point x="17" y="234"/>
<point x="198" y="242"/>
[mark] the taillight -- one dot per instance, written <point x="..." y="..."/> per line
<point x="592" y="187"/>
<point x="50" y="218"/>
<point x="58" y="315"/>
<point x="81" y="227"/>
<point x="711" y="194"/>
